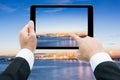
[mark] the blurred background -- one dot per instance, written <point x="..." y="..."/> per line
<point x="14" y="14"/>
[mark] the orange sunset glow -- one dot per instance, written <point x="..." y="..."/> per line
<point x="114" y="53"/>
<point x="59" y="54"/>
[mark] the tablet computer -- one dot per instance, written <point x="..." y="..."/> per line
<point x="53" y="23"/>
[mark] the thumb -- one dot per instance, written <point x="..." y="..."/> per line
<point x="31" y="27"/>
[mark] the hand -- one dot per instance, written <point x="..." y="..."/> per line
<point x="27" y="37"/>
<point x="87" y="47"/>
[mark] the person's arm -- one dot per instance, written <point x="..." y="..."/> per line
<point x="27" y="38"/>
<point x="20" y="68"/>
<point x="91" y="50"/>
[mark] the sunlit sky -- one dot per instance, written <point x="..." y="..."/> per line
<point x="61" y="20"/>
<point x="14" y="14"/>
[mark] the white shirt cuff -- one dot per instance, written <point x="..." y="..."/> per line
<point x="27" y="55"/>
<point x="99" y="58"/>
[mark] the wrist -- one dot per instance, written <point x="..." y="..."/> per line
<point x="29" y="48"/>
<point x="27" y="55"/>
<point x="98" y="58"/>
<point x="95" y="52"/>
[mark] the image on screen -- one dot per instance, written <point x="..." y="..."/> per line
<point x="53" y="26"/>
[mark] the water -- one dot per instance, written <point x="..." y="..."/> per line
<point x="58" y="70"/>
<point x="56" y="42"/>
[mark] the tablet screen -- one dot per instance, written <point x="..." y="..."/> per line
<point x="54" y="25"/>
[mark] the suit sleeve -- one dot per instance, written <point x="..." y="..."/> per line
<point x="18" y="70"/>
<point x="107" y="71"/>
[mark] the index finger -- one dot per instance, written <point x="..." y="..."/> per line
<point x="77" y="38"/>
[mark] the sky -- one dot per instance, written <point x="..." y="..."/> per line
<point x="61" y="20"/>
<point x="14" y="14"/>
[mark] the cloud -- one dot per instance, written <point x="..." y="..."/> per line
<point x="58" y="9"/>
<point x="54" y="10"/>
<point x="63" y="2"/>
<point x="6" y="8"/>
<point x="67" y="1"/>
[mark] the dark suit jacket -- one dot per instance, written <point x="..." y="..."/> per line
<point x="107" y="71"/>
<point x="18" y="70"/>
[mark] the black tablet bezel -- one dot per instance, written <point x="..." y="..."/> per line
<point x="90" y="19"/>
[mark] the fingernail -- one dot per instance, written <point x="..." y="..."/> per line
<point x="30" y="21"/>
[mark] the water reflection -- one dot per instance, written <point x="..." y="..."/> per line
<point x="47" y="41"/>
<point x="58" y="70"/>
<point x="85" y="71"/>
<point x="80" y="69"/>
<point x="63" y="70"/>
